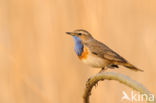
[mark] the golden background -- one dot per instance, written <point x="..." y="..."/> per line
<point x="37" y="60"/>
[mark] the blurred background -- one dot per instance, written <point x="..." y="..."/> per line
<point x="37" y="60"/>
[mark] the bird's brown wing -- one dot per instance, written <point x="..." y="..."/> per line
<point x="102" y="51"/>
<point x="113" y="56"/>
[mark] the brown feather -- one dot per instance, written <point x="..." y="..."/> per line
<point x="103" y="51"/>
<point x="132" y="67"/>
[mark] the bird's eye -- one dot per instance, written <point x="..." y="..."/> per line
<point x="79" y="33"/>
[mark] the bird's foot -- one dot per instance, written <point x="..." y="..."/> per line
<point x="88" y="79"/>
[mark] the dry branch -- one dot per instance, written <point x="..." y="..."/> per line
<point x="113" y="76"/>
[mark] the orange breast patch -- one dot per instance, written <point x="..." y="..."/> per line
<point x="84" y="54"/>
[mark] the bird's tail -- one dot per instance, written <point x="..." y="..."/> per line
<point x="130" y="66"/>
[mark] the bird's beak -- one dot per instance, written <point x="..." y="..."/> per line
<point x="70" y="33"/>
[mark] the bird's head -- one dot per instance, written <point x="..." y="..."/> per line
<point x="82" y="34"/>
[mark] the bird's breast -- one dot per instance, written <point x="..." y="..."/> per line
<point x="84" y="54"/>
<point x="91" y="59"/>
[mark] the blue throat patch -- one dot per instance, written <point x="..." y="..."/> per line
<point x="78" y="45"/>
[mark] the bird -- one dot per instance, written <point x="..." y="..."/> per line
<point x="97" y="54"/>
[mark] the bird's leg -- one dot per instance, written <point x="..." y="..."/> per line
<point x="103" y="69"/>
